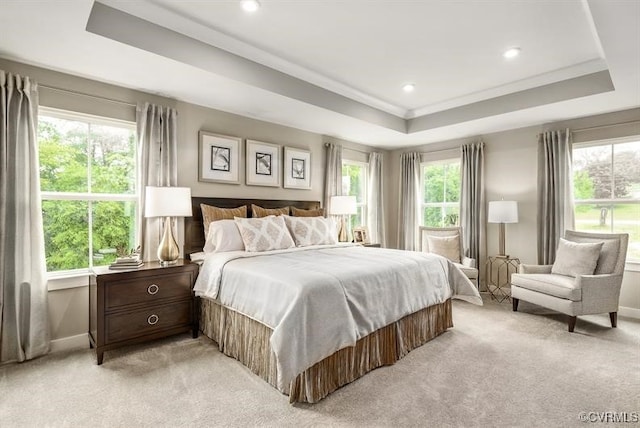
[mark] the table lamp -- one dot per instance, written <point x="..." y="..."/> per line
<point x="343" y="206"/>
<point x="167" y="202"/>
<point x="503" y="212"/>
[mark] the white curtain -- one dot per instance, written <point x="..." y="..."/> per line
<point x="333" y="175"/>
<point x="555" y="192"/>
<point x="157" y="132"/>
<point x="409" y="211"/>
<point x="24" y="329"/>
<point x="472" y="202"/>
<point x="375" y="203"/>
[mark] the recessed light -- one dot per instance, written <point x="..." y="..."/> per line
<point x="250" y="5"/>
<point x="511" y="53"/>
<point x="409" y="87"/>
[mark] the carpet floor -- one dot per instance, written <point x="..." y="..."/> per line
<point x="494" y="368"/>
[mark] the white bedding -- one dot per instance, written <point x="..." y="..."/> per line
<point x="320" y="299"/>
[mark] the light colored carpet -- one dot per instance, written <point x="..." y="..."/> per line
<point x="494" y="368"/>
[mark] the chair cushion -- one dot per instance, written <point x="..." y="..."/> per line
<point x="573" y="258"/>
<point x="470" y="272"/>
<point x="445" y="246"/>
<point x="562" y="286"/>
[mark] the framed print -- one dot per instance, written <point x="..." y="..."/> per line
<point x="297" y="168"/>
<point x="219" y="158"/>
<point x="263" y="164"/>
<point x="361" y="235"/>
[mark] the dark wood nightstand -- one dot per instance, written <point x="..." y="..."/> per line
<point x="371" y="245"/>
<point x="134" y="306"/>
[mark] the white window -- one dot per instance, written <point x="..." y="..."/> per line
<point x="88" y="184"/>
<point x="440" y="183"/>
<point x="606" y="183"/>
<point x="354" y="183"/>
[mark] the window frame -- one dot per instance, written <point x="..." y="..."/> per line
<point x="365" y="197"/>
<point x="89" y="197"/>
<point x="611" y="142"/>
<point x="443" y="205"/>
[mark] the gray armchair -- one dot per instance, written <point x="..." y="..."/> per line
<point x="579" y="294"/>
<point x="452" y="235"/>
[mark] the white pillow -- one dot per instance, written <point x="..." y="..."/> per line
<point x="312" y="230"/>
<point x="223" y="236"/>
<point x="573" y="258"/>
<point x="264" y="234"/>
<point x="445" y="246"/>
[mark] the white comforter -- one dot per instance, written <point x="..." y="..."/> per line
<point x="320" y="299"/>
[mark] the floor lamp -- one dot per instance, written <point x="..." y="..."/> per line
<point x="502" y="212"/>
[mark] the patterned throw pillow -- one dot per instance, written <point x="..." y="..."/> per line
<point x="312" y="230"/>
<point x="257" y="212"/>
<point x="264" y="234"/>
<point x="297" y="212"/>
<point x="211" y="213"/>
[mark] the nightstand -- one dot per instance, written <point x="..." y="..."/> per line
<point x="372" y="245"/>
<point x="499" y="271"/>
<point x="138" y="305"/>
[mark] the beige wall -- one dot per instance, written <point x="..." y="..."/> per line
<point x="510" y="156"/>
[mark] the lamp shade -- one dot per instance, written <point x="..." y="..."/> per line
<point x="167" y="202"/>
<point x="343" y="205"/>
<point x="503" y="212"/>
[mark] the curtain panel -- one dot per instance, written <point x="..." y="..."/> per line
<point x="472" y="202"/>
<point x="409" y="211"/>
<point x="157" y="133"/>
<point x="375" y="203"/>
<point x="332" y="175"/>
<point x="24" y="329"/>
<point x="555" y="192"/>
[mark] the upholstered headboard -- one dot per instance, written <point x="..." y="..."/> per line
<point x="194" y="229"/>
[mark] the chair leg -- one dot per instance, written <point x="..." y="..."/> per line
<point x="614" y="319"/>
<point x="572" y="323"/>
<point x="515" y="302"/>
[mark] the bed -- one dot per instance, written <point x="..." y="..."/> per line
<point x="309" y="320"/>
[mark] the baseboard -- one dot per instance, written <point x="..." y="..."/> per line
<point x="80" y="341"/>
<point x="624" y="311"/>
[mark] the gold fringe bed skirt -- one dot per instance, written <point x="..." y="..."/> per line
<point x="247" y="340"/>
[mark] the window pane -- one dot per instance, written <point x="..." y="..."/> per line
<point x="433" y="217"/>
<point x="113" y="230"/>
<point x="66" y="234"/>
<point x="63" y="155"/>
<point x="452" y="183"/>
<point x="626" y="219"/>
<point x="452" y="216"/>
<point x="434" y="179"/>
<point x="113" y="160"/>
<point x="626" y="158"/>
<point x="592" y="172"/>
<point x="354" y="181"/>
<point x="593" y="218"/>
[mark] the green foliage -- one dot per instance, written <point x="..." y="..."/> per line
<point x="70" y="152"/>
<point x="442" y="193"/>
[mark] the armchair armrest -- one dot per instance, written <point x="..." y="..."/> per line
<point x="468" y="262"/>
<point x="534" y="268"/>
<point x="600" y="293"/>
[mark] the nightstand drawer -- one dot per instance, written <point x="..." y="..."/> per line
<point x="148" y="289"/>
<point x="127" y="325"/>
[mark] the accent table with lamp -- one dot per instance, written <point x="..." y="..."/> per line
<point x="499" y="268"/>
<point x="343" y="206"/>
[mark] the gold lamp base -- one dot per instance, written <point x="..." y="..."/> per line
<point x="343" y="235"/>
<point x="168" y="252"/>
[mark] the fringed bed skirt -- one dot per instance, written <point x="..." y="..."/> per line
<point x="247" y="340"/>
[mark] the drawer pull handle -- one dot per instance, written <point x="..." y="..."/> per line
<point x="153" y="319"/>
<point x="152" y="289"/>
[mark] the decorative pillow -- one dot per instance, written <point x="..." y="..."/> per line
<point x="211" y="213"/>
<point x="264" y="234"/>
<point x="312" y="230"/>
<point x="445" y="246"/>
<point x="608" y="254"/>
<point x="224" y="235"/>
<point x="573" y="258"/>
<point x="257" y="212"/>
<point x="297" y="212"/>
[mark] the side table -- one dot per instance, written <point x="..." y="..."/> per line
<point x="498" y="279"/>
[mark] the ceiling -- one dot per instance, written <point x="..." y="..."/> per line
<point x="337" y="67"/>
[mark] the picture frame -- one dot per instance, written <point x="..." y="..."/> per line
<point x="262" y="164"/>
<point x="219" y="158"/>
<point x="361" y="235"/>
<point x="297" y="168"/>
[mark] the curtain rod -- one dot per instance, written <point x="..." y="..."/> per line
<point x="349" y="148"/>
<point x="82" y="94"/>
<point x="591" y="128"/>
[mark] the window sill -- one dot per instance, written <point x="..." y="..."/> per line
<point x="65" y="280"/>
<point x="633" y="266"/>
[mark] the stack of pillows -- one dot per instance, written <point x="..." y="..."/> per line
<point x="229" y="229"/>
